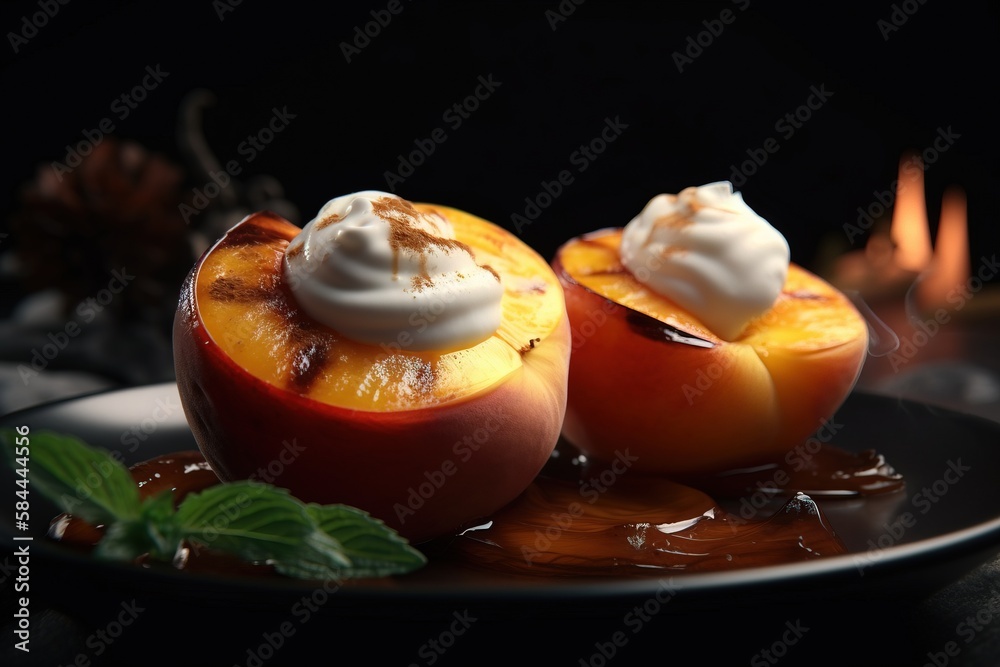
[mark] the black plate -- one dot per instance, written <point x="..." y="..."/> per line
<point x="904" y="547"/>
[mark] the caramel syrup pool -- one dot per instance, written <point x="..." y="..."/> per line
<point x="596" y="519"/>
<point x="601" y="519"/>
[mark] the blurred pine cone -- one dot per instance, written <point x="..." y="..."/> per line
<point x="117" y="211"/>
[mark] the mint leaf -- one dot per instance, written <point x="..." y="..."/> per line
<point x="375" y="549"/>
<point x="320" y="557"/>
<point x="261" y="523"/>
<point x="253" y="521"/>
<point x="154" y="532"/>
<point x="80" y="479"/>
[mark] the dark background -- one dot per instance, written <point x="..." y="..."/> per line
<point x="894" y="90"/>
<point x="895" y="87"/>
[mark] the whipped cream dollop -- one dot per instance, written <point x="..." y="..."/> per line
<point x="706" y="250"/>
<point x="379" y="271"/>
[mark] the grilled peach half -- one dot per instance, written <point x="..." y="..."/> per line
<point x="649" y="377"/>
<point x="424" y="441"/>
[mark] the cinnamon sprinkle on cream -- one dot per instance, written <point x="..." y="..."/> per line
<point x="491" y="270"/>
<point x="670" y="251"/>
<point x="677" y="220"/>
<point x="405" y="235"/>
<point x="420" y="282"/>
<point x="328" y="220"/>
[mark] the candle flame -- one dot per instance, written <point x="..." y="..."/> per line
<point x="909" y="229"/>
<point x="949" y="268"/>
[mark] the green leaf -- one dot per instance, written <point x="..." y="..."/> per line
<point x="253" y="521"/>
<point x="375" y="549"/>
<point x="158" y="515"/>
<point x="123" y="541"/>
<point x="261" y="523"/>
<point x="154" y="533"/>
<point x="80" y="479"/>
<point x="320" y="557"/>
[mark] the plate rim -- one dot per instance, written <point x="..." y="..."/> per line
<point x="979" y="541"/>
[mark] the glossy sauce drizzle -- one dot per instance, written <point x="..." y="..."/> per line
<point x="183" y="473"/>
<point x="591" y="519"/>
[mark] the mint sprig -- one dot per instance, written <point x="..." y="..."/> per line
<point x="256" y="522"/>
<point x="375" y="550"/>
<point x="261" y="523"/>
<point x="85" y="481"/>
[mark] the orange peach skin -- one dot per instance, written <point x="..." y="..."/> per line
<point x="375" y="461"/>
<point x="687" y="410"/>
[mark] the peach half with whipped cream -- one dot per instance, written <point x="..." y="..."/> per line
<point x="697" y="345"/>
<point x="404" y="358"/>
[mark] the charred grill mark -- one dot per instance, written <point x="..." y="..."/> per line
<point x="524" y="349"/>
<point x="803" y="294"/>
<point x="309" y="344"/>
<point x="615" y="270"/>
<point x="661" y="332"/>
<point x="235" y="290"/>
<point x="308" y="361"/>
<point x="251" y="235"/>
<point x="312" y="344"/>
